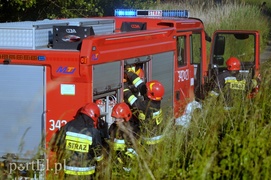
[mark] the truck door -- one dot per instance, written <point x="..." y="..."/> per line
<point x="21" y="112"/>
<point x="183" y="74"/>
<point x="244" y="45"/>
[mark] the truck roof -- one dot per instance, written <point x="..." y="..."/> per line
<point x="40" y="34"/>
<point x="160" y="22"/>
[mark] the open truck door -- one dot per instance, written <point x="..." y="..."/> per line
<point x="243" y="45"/>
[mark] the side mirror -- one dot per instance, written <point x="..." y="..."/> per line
<point x="219" y="47"/>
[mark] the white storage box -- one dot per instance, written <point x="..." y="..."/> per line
<point x="27" y="34"/>
<point x="38" y="34"/>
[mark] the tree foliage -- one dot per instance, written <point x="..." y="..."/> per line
<point x="19" y="10"/>
<point x="14" y="10"/>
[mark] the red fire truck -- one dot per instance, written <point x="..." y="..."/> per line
<point x="51" y="68"/>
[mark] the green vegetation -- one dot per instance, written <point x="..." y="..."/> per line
<point x="19" y="10"/>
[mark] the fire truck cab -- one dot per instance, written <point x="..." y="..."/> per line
<point x="51" y="68"/>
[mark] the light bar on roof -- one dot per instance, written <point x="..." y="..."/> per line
<point x="176" y="13"/>
<point x="159" y="13"/>
<point x="125" y="12"/>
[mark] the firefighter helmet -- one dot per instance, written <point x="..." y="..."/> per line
<point x="121" y="111"/>
<point x="93" y="111"/>
<point x="155" y="90"/>
<point x="233" y="64"/>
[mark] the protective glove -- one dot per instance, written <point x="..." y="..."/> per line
<point x="130" y="68"/>
<point x="141" y="116"/>
<point x="129" y="72"/>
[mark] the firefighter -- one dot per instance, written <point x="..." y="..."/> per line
<point x="122" y="135"/>
<point x="78" y="144"/>
<point x="148" y="111"/>
<point x="231" y="85"/>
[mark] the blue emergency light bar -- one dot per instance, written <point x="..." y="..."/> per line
<point x="157" y="13"/>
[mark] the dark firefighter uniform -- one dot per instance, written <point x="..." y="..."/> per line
<point x="78" y="144"/>
<point x="122" y="145"/>
<point x="148" y="111"/>
<point x="231" y="86"/>
<point x="122" y="135"/>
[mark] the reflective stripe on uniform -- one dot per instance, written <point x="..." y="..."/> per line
<point x="79" y="170"/>
<point x="132" y="99"/>
<point x="156" y="113"/>
<point x="131" y="153"/>
<point x="153" y="140"/>
<point x="229" y="78"/>
<point x="119" y="145"/>
<point x="99" y="158"/>
<point x="157" y="116"/>
<point x="131" y="150"/>
<point x="78" y="137"/>
<point x="213" y="93"/>
<point x="137" y="81"/>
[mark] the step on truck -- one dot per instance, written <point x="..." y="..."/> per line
<point x="51" y="68"/>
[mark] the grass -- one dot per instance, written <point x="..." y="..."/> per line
<point x="232" y="144"/>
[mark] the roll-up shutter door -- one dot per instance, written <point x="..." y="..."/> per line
<point x="22" y="107"/>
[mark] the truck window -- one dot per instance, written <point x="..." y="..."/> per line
<point x="195" y="41"/>
<point x="181" y="51"/>
<point x="239" y="45"/>
<point x="242" y="48"/>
